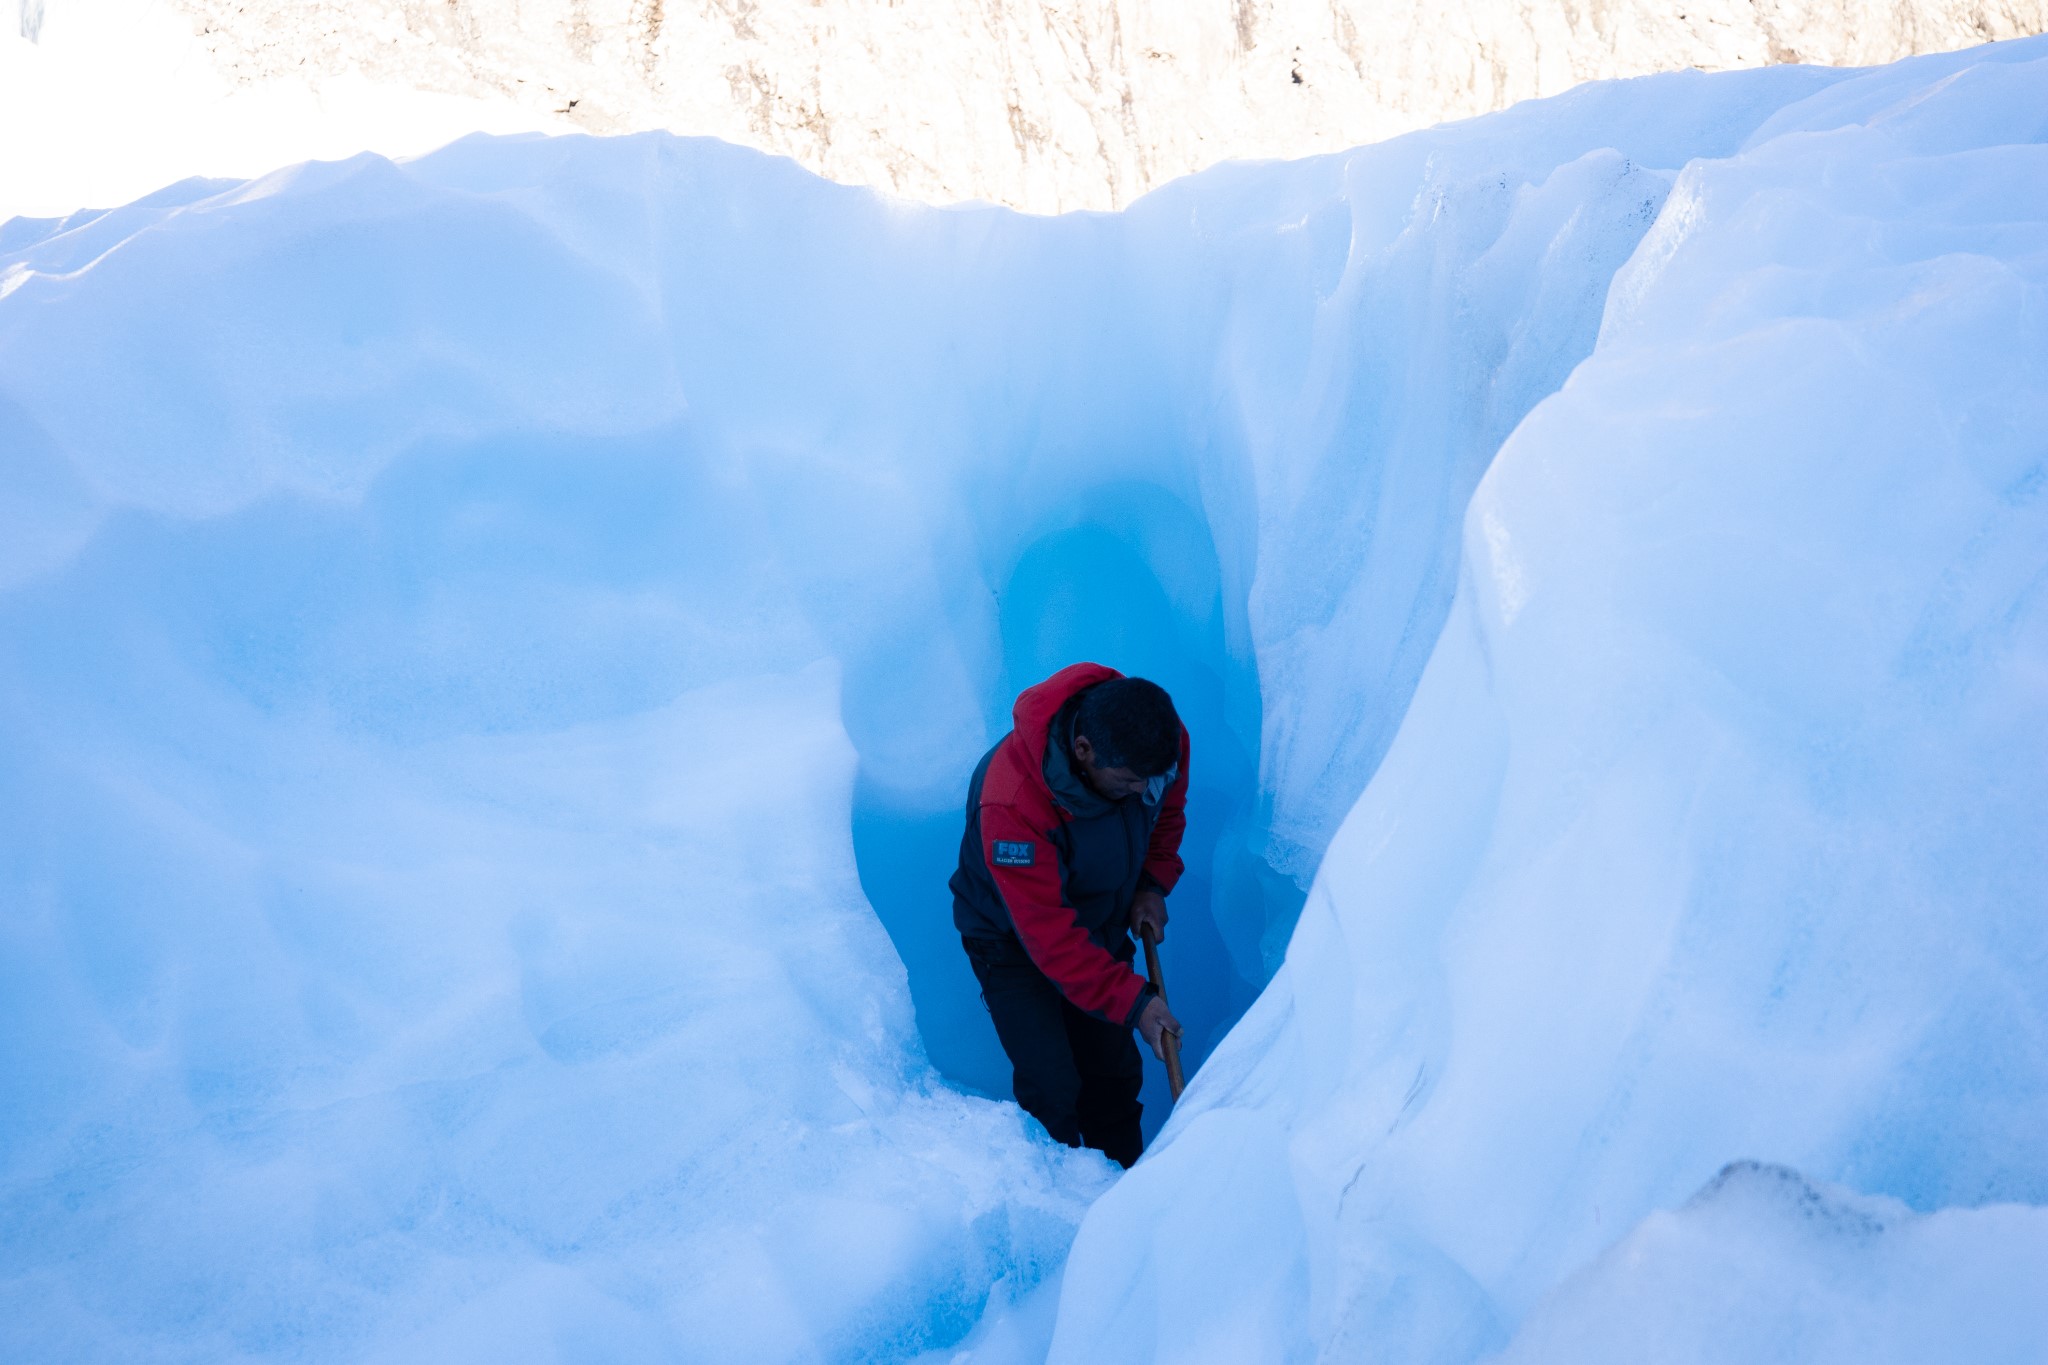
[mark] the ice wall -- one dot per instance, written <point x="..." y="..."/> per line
<point x="1717" y="829"/>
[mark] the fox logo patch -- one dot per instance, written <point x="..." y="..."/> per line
<point x="1015" y="852"/>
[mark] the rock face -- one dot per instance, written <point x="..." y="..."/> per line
<point x="1051" y="105"/>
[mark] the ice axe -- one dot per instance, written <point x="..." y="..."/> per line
<point x="1174" y="1081"/>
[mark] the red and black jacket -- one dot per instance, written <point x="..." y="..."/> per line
<point x="1048" y="862"/>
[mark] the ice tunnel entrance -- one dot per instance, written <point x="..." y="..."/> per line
<point x="1132" y="582"/>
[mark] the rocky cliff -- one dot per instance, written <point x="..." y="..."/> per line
<point x="1051" y="105"/>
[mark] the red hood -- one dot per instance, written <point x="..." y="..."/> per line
<point x="1036" y="706"/>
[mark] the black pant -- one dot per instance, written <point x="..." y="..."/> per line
<point x="1074" y="1073"/>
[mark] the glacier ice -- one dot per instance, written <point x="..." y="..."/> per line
<point x="490" y="646"/>
<point x="1716" y="828"/>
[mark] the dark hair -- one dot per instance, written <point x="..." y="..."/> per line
<point x="1130" y="723"/>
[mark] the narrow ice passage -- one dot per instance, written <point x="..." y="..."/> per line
<point x="1089" y="591"/>
<point x="490" y="652"/>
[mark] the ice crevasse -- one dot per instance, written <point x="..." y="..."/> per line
<point x="490" y="647"/>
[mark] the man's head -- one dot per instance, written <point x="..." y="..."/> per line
<point x="1125" y="733"/>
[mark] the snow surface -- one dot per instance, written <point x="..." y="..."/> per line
<point x="490" y="647"/>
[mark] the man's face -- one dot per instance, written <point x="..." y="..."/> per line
<point x="1113" y="783"/>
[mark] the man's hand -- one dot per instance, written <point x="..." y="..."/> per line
<point x="1155" y="1023"/>
<point x="1148" y="909"/>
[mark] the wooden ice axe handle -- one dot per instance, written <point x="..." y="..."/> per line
<point x="1174" y="1082"/>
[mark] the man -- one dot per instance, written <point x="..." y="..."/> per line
<point x="1073" y="843"/>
